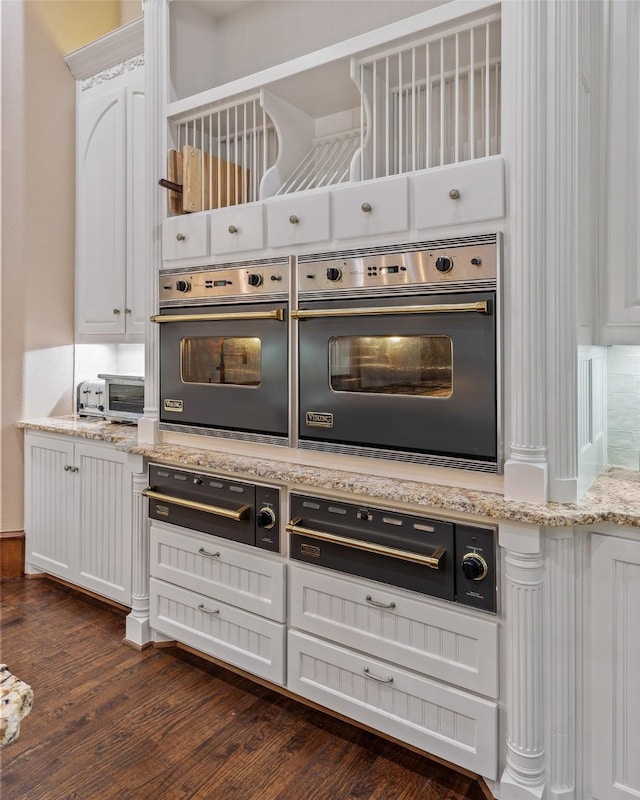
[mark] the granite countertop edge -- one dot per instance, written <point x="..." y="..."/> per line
<point x="613" y="498"/>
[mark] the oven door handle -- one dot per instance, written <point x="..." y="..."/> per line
<point x="277" y="314"/>
<point x="482" y="307"/>
<point x="237" y="514"/>
<point x="434" y="561"/>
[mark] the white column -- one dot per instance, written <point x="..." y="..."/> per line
<point x="561" y="678"/>
<point x="524" y="47"/>
<point x="156" y="48"/>
<point x="137" y="626"/>
<point x="524" y="775"/>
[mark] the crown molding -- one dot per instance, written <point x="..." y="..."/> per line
<point x="107" y="51"/>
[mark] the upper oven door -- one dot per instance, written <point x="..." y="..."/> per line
<point x="411" y="374"/>
<point x="225" y="367"/>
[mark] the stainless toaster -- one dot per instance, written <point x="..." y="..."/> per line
<point x="90" y="398"/>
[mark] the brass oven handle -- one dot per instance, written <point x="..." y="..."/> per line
<point x="237" y="515"/>
<point x="434" y="561"/>
<point x="481" y="306"/>
<point x="277" y="313"/>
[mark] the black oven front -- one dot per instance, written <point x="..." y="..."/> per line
<point x="224" y="352"/>
<point x="398" y="354"/>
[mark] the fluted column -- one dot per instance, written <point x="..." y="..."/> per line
<point x="137" y="626"/>
<point x="156" y="48"/>
<point x="561" y="676"/>
<point x="524" y="775"/>
<point x="524" y="40"/>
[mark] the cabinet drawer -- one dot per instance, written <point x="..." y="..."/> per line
<point x="480" y="185"/>
<point x="254" y="583"/>
<point x="312" y="215"/>
<point x="446" y="722"/>
<point x="236" y="229"/>
<point x="185" y="236"/>
<point x="244" y="640"/>
<point x="371" y="208"/>
<point x="447" y="644"/>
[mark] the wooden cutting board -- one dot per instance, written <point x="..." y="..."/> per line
<point x="225" y="183"/>
<point x="174" y="174"/>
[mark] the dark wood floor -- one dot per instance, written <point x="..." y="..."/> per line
<point x="111" y="722"/>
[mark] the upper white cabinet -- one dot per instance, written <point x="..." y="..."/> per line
<point x="620" y="289"/>
<point x="328" y="135"/>
<point x="111" y="192"/>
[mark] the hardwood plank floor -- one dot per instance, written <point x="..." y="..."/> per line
<point x="110" y="722"/>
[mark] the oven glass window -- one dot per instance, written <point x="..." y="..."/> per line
<point x="221" y="360"/>
<point x="409" y="365"/>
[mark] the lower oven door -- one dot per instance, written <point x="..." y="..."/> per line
<point x="225" y="368"/>
<point x="415" y="375"/>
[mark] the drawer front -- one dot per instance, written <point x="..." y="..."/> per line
<point x="252" y="643"/>
<point x="480" y="185"/>
<point x="446" y="644"/>
<point x="371" y="208"/>
<point x="445" y="722"/>
<point x="236" y="229"/>
<point x="211" y="566"/>
<point x="311" y="213"/>
<point x="184" y="237"/>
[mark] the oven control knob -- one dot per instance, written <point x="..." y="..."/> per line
<point x="444" y="264"/>
<point x="334" y="273"/>
<point x="266" y="518"/>
<point x="474" y="567"/>
<point x="183" y="286"/>
<point x="254" y="279"/>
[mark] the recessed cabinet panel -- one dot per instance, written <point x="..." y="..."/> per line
<point x="298" y="219"/>
<point x="371" y="208"/>
<point x="460" y="193"/>
<point x="137" y="193"/>
<point x="185" y="236"/>
<point x="436" y="718"/>
<point x="101" y="221"/>
<point x="236" y="229"/>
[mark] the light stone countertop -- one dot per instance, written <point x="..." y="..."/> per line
<point x="613" y="498"/>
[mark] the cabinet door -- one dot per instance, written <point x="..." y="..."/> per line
<point x="137" y="192"/>
<point x="50" y="517"/>
<point x="101" y="211"/>
<point x="615" y="707"/>
<point x="104" y="531"/>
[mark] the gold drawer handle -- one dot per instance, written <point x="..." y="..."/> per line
<point x="228" y="513"/>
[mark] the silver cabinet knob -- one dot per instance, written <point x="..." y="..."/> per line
<point x="75" y="469"/>
<point x="454" y="194"/>
<point x="67" y="468"/>
<point x="366" y="207"/>
<point x="116" y="311"/>
<point x="180" y="237"/>
<point x="127" y="311"/>
<point x="293" y="219"/>
<point x="232" y="229"/>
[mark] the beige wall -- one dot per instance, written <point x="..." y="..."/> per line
<point x="38" y="218"/>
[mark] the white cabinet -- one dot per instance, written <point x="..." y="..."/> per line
<point x="620" y="285"/>
<point x="78" y="512"/>
<point x="223" y="599"/>
<point x="615" y="655"/>
<point x="111" y="206"/>
<point x="185" y="237"/>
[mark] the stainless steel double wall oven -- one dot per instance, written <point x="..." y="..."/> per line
<point x="392" y="352"/>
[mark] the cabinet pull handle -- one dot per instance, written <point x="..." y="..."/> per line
<point x="116" y="311"/>
<point x="294" y="220"/>
<point x="232" y="229"/>
<point x="203" y="552"/>
<point x="368" y="674"/>
<point x="454" y="194"/>
<point x="67" y="468"/>
<point x="482" y="307"/>
<point x="378" y="604"/>
<point x="180" y="237"/>
<point x="207" y="610"/>
<point x="366" y="207"/>
<point x="127" y="311"/>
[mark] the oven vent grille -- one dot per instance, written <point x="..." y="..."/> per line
<point x="243" y="436"/>
<point x="392" y="455"/>
<point x="394" y="249"/>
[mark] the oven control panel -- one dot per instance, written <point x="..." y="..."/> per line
<point x="217" y="284"/>
<point x="453" y="263"/>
